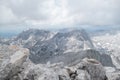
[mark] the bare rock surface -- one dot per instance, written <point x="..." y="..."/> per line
<point x="11" y="59"/>
<point x="55" y="56"/>
<point x="87" y="69"/>
<point x="16" y="65"/>
<point x="69" y="47"/>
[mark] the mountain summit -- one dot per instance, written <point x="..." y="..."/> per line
<point x="68" y="47"/>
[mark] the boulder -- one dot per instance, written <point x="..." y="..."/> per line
<point x="87" y="69"/>
<point x="114" y="76"/>
<point x="93" y="68"/>
<point x="11" y="60"/>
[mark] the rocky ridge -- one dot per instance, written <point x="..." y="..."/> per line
<point x="69" y="47"/>
<point x="11" y="59"/>
<point x="19" y="67"/>
<point x="54" y="56"/>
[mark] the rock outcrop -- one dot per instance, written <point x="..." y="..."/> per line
<point x="114" y="76"/>
<point x="94" y="68"/>
<point x="87" y="69"/>
<point x="11" y="59"/>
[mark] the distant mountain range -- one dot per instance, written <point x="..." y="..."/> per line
<point x="69" y="46"/>
<point x="90" y="29"/>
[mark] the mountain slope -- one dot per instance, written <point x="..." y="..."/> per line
<point x="68" y="47"/>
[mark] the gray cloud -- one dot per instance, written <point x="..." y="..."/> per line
<point x="57" y="12"/>
<point x="97" y="12"/>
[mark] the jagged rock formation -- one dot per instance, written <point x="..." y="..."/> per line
<point x="114" y="76"/>
<point x="63" y="40"/>
<point x="88" y="69"/>
<point x="69" y="47"/>
<point x="15" y="65"/>
<point x="112" y="73"/>
<point x="60" y="44"/>
<point x="11" y="59"/>
<point x="93" y="68"/>
<point x="62" y="55"/>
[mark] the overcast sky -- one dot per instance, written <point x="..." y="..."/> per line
<point x="52" y="13"/>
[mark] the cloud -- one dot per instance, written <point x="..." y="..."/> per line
<point x="95" y="12"/>
<point x="6" y="15"/>
<point x="60" y="12"/>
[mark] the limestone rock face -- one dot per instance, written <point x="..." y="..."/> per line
<point x="94" y="68"/>
<point x="88" y="69"/>
<point x="43" y="72"/>
<point x="11" y="59"/>
<point x="15" y="65"/>
<point x="112" y="73"/>
<point x="52" y="46"/>
<point x="114" y="76"/>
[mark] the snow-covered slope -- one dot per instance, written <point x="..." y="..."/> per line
<point x="110" y="43"/>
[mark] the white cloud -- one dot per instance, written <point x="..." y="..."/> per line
<point x="95" y="12"/>
<point x="60" y="12"/>
<point x="6" y="15"/>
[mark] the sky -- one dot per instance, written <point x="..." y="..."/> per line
<point x="17" y="15"/>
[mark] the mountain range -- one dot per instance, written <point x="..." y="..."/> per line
<point x="68" y="48"/>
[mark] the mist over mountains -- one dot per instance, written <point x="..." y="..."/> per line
<point x="8" y="32"/>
